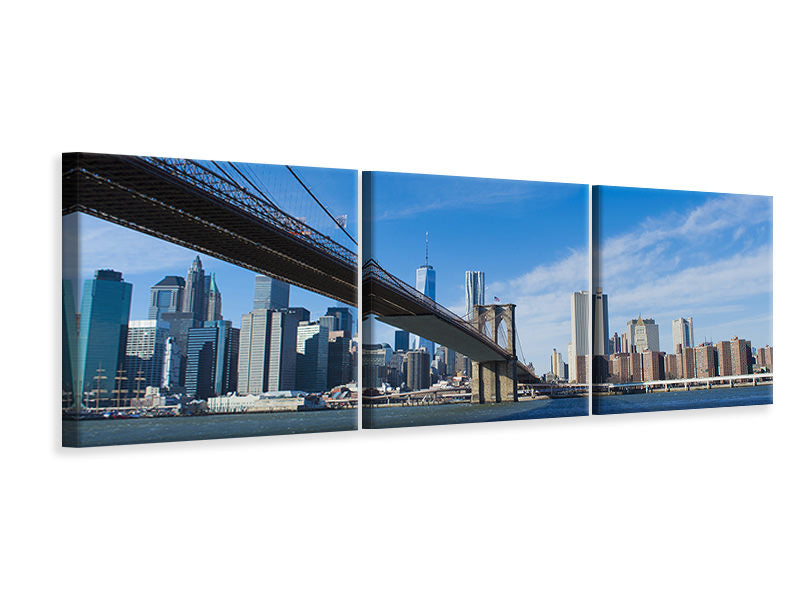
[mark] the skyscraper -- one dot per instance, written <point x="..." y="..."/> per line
<point x="179" y="325"/>
<point x="344" y="319"/>
<point x="212" y="359"/>
<point x="644" y="333"/>
<point x="724" y="358"/>
<point x="105" y="309"/>
<point x="376" y="359"/>
<point x="426" y="283"/>
<point x="705" y="360"/>
<point x="557" y="364"/>
<point x="166" y="296"/>
<point x="312" y="357"/>
<point x="474" y="290"/>
<point x="600" y="341"/>
<point x="194" y="290"/>
<point x="213" y="301"/>
<point x="741" y="356"/>
<point x="580" y="306"/>
<point x="144" y="354"/>
<point x="328" y="321"/>
<point x="270" y="293"/>
<point x="416" y="366"/>
<point x="282" y="354"/>
<point x="253" y="365"/>
<point x="173" y="361"/>
<point x="400" y="340"/>
<point x="682" y="333"/>
<point x="268" y="350"/>
<point x="339" y="359"/>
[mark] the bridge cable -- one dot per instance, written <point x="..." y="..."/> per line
<point x="322" y="206"/>
<point x="521" y="350"/>
<point x="256" y="188"/>
<point x="259" y="181"/>
<point x="226" y="176"/>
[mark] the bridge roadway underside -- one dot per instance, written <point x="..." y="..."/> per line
<point x="440" y="331"/>
<point x="127" y="191"/>
<point x="397" y="309"/>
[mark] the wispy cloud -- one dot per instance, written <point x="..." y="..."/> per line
<point x="542" y="296"/>
<point x="712" y="259"/>
<point x="740" y="276"/>
<point x="428" y="193"/>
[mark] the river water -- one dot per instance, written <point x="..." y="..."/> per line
<point x="448" y="414"/>
<point x="173" y="429"/>
<point x="741" y="396"/>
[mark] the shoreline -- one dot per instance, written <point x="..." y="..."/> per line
<point x="642" y="389"/>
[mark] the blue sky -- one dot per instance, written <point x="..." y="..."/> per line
<point x="529" y="238"/>
<point x="145" y="260"/>
<point x="672" y="254"/>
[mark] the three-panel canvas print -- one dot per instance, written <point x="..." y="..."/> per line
<point x="208" y="299"/>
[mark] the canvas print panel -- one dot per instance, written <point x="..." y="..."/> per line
<point x="206" y="299"/>
<point x="468" y="288"/>
<point x="682" y="300"/>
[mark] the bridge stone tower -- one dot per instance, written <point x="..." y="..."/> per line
<point x="495" y="381"/>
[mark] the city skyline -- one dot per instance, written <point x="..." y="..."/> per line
<point x="529" y="238"/>
<point x="236" y="284"/>
<point x="671" y="254"/>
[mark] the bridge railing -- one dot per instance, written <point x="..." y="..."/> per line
<point x="197" y="175"/>
<point x="372" y="269"/>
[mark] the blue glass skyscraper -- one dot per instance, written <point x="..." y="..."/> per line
<point x="270" y="293"/>
<point x="105" y="309"/>
<point x="401" y="340"/>
<point x="212" y="358"/>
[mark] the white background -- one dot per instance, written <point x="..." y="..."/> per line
<point x="689" y="95"/>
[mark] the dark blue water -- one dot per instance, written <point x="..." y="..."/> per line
<point x="175" y="429"/>
<point x="743" y="396"/>
<point x="450" y="414"/>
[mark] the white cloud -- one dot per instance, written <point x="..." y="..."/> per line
<point x="542" y="298"/>
<point x="707" y="285"/>
<point x="712" y="260"/>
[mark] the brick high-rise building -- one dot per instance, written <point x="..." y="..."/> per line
<point x="705" y="360"/>
<point x="635" y="366"/>
<point x="620" y="368"/>
<point x="687" y="360"/>
<point x="741" y="356"/>
<point x="652" y="366"/>
<point x="724" y="359"/>
<point x="580" y="370"/>
<point x="671" y="370"/>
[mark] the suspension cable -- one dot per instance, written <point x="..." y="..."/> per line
<point x="322" y="206"/>
<point x="256" y="188"/>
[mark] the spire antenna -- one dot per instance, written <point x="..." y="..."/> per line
<point x="426" y="248"/>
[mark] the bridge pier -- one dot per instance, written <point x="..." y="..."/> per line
<point x="495" y="381"/>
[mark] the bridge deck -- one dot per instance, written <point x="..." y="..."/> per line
<point x="396" y="303"/>
<point x="132" y="192"/>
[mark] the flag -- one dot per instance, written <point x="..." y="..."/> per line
<point x="496" y="299"/>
